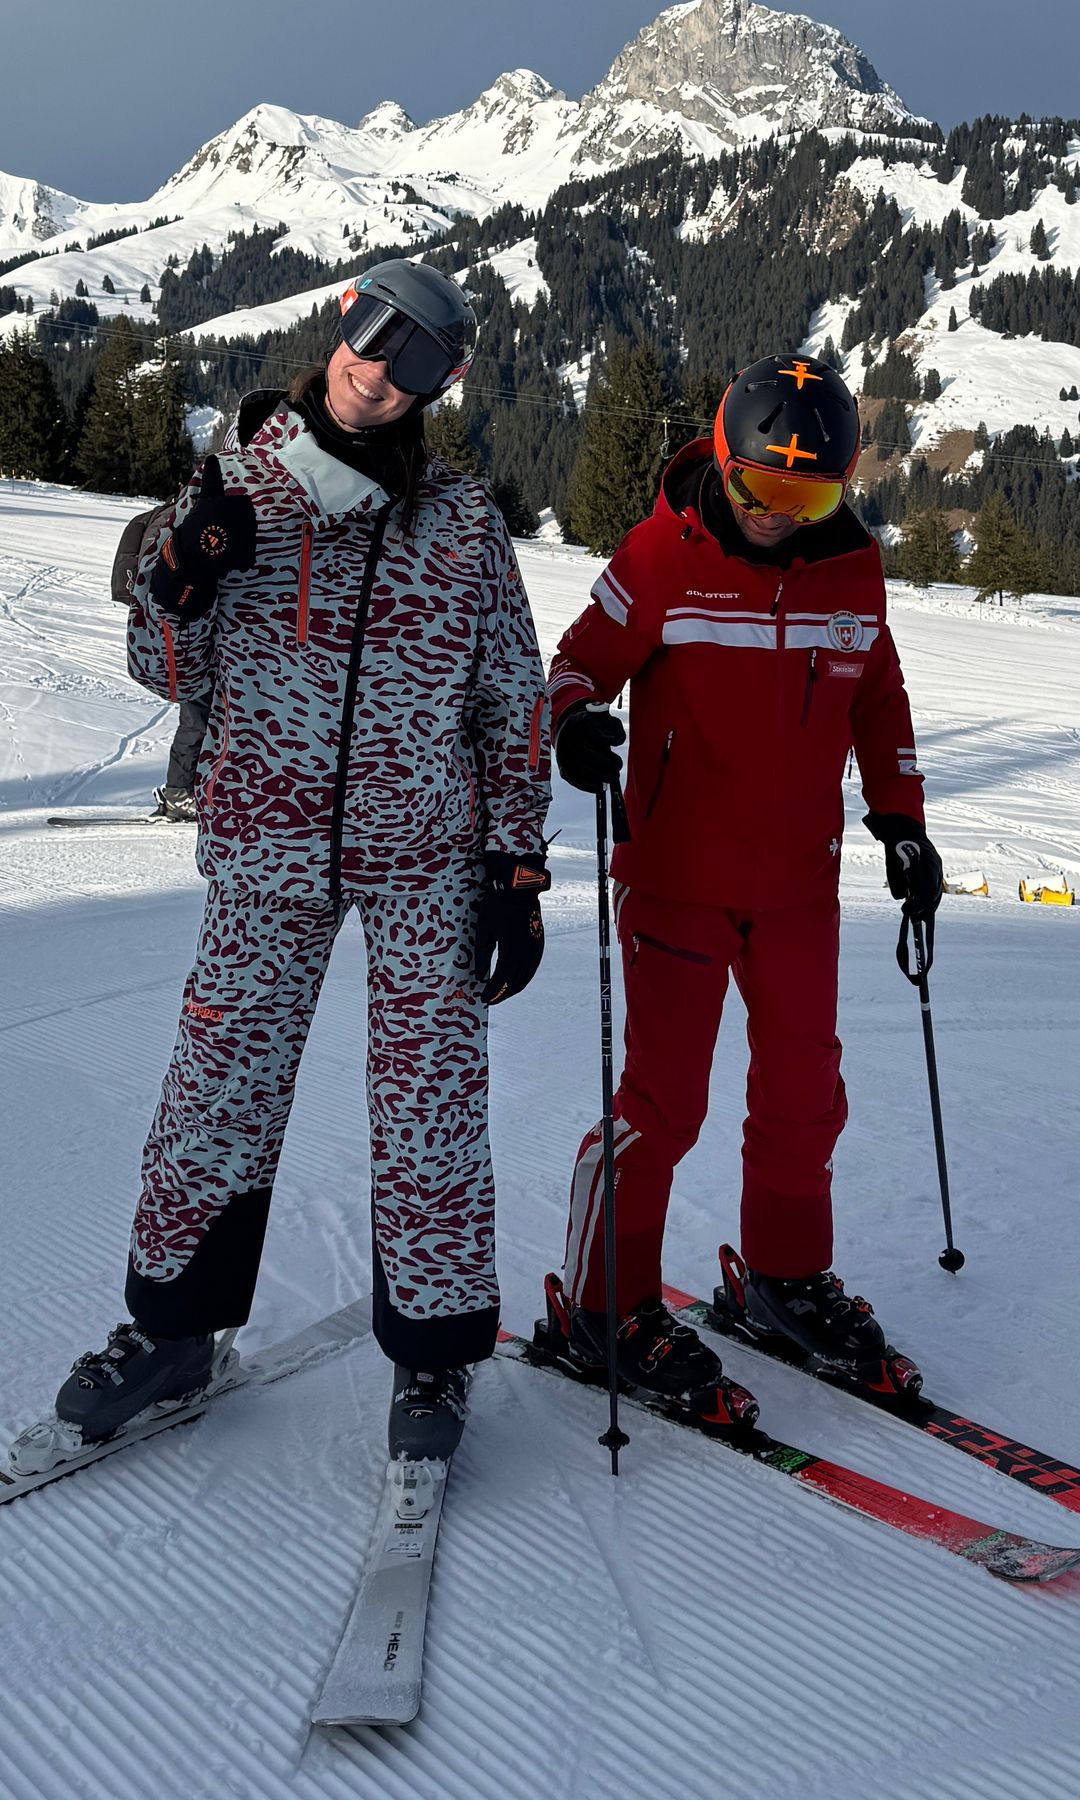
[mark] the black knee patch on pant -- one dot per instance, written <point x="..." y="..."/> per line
<point x="216" y="1287"/>
<point x="430" y="1344"/>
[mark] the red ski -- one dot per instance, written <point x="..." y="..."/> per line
<point x="893" y="1394"/>
<point x="1003" y="1553"/>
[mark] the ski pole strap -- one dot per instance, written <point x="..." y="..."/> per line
<point x="924" y="952"/>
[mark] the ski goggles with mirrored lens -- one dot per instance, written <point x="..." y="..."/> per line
<point x="415" y="361"/>
<point x="805" y="498"/>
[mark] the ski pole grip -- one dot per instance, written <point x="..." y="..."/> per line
<point x="924" y="952"/>
<point x="620" y="824"/>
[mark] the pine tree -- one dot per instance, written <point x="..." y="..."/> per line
<point x="892" y="432"/>
<point x="105" y="451"/>
<point x="161" y="450"/>
<point x="1023" y="567"/>
<point x="1066" y="446"/>
<point x="614" y="479"/>
<point x="108" y="286"/>
<point x="33" y="426"/>
<point x="144" y="293"/>
<point x="448" y="437"/>
<point x="1039" y="245"/>
<point x="987" y="568"/>
<point x="519" y="517"/>
<point x="932" y="385"/>
<point x="929" y="551"/>
<point x="953" y="321"/>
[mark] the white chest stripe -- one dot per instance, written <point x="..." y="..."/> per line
<point x="816" y="637"/>
<point x="682" y="627"/>
<point x="759" y="634"/>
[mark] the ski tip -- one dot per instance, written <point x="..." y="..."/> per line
<point x="1020" y="1559"/>
<point x="400" y="1709"/>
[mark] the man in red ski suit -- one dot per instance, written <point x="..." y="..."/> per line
<point x="750" y="625"/>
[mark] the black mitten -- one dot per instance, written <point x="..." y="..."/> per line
<point x="217" y="536"/>
<point x="583" y="747"/>
<point x="509" y="924"/>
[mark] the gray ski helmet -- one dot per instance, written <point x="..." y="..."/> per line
<point x="413" y="318"/>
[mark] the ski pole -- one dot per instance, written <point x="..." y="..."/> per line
<point x="951" y="1258"/>
<point x="613" y="1439"/>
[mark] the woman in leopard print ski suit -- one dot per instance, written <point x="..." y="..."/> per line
<point x="377" y="740"/>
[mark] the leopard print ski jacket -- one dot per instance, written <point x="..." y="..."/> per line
<point x="447" y="751"/>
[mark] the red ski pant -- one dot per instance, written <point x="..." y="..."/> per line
<point x="677" y="959"/>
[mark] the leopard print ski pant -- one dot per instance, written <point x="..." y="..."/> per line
<point x="212" y="1153"/>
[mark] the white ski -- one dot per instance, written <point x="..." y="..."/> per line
<point x="49" y="1449"/>
<point x="376" y="1675"/>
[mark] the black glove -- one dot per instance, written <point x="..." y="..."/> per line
<point x="583" y="747"/>
<point x="509" y="923"/>
<point x="912" y="865"/>
<point x="217" y="536"/>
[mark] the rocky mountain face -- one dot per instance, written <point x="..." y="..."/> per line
<point x="31" y="214"/>
<point x="744" y="70"/>
<point x="702" y="77"/>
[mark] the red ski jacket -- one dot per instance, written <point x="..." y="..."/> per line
<point x="750" y="681"/>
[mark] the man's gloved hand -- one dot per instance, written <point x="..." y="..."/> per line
<point x="583" y="747"/>
<point x="217" y="536"/>
<point x="912" y="865"/>
<point x="509" y="923"/>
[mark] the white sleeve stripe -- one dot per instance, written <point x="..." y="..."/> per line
<point x="602" y="586"/>
<point x="618" y="586"/>
<point x="615" y="607"/>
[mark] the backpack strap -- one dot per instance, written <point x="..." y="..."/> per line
<point x="254" y="410"/>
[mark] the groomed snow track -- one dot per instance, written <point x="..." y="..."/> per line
<point x="696" y="1630"/>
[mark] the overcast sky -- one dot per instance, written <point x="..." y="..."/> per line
<point x="106" y="101"/>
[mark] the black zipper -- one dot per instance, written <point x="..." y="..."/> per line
<point x="808" y="691"/>
<point x="661" y="771"/>
<point x="337" y="822"/>
<point x="655" y="943"/>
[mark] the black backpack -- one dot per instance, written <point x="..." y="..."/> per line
<point x="133" y="541"/>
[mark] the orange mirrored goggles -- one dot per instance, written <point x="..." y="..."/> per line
<point x="805" y="498"/>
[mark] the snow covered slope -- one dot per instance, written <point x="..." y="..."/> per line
<point x="700" y="1630"/>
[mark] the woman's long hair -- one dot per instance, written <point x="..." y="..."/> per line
<point x="405" y="437"/>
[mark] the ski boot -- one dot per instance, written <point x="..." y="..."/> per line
<point x="176" y="806"/>
<point x="814" y="1324"/>
<point x="107" y="1388"/>
<point x="653" y="1351"/>
<point x="427" y="1413"/>
<point x="135" y="1379"/>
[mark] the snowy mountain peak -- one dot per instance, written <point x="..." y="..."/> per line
<point x="522" y="84"/>
<point x="744" y="70"/>
<point x="387" y="120"/>
<point x="30" y="212"/>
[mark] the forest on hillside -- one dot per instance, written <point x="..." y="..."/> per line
<point x="660" y="280"/>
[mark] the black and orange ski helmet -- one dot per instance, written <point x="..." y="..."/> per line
<point x="786" y="438"/>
